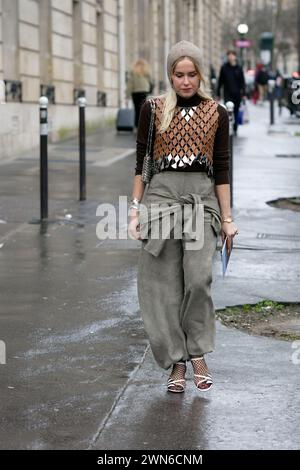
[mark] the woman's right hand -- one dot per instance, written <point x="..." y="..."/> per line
<point x="133" y="226"/>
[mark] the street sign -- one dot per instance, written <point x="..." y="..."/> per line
<point x="243" y="43"/>
<point x="265" y="57"/>
<point x="266" y="41"/>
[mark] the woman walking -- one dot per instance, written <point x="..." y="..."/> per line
<point x="139" y="85"/>
<point x="191" y="161"/>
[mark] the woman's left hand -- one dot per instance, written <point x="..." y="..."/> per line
<point x="228" y="229"/>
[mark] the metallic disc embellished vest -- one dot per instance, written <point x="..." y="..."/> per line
<point x="189" y="139"/>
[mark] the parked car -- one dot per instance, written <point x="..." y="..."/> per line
<point x="287" y="92"/>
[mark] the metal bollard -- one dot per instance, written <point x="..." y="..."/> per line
<point x="230" y="108"/>
<point x="82" y="150"/>
<point x="44" y="157"/>
<point x="271" y="89"/>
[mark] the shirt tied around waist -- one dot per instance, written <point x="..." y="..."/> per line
<point x="189" y="211"/>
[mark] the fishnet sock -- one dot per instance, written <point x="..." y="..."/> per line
<point x="178" y="373"/>
<point x="200" y="368"/>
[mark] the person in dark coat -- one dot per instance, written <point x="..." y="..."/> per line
<point x="232" y="80"/>
<point x="261" y="81"/>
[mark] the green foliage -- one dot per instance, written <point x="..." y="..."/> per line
<point x="64" y="132"/>
<point x="261" y="307"/>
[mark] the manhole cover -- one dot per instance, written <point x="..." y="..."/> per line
<point x="288" y="155"/>
<point x="278" y="236"/>
<point x="291" y="203"/>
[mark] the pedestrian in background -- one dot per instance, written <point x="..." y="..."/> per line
<point x="139" y="85"/>
<point x="213" y="80"/>
<point x="278" y="86"/>
<point x="261" y="80"/>
<point x="232" y="80"/>
<point x="191" y="159"/>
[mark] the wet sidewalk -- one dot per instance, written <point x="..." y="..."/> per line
<point x="267" y="249"/>
<point x="79" y="373"/>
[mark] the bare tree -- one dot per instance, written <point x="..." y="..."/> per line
<point x="276" y="16"/>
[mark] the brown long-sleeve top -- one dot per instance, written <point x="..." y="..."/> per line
<point x="196" y="140"/>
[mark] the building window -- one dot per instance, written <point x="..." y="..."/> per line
<point x="49" y="91"/>
<point x="78" y="93"/>
<point x="13" y="90"/>
<point x="101" y="98"/>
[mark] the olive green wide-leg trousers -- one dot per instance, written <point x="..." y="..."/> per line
<point x="174" y="288"/>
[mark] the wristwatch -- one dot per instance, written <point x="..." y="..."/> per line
<point x="229" y="219"/>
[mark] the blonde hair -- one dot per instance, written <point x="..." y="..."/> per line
<point x="170" y="98"/>
<point x="141" y="67"/>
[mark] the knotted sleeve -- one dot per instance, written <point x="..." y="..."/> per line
<point x="221" y="153"/>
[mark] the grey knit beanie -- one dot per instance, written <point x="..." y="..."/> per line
<point x="180" y="49"/>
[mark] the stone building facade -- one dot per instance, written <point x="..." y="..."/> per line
<point x="70" y="48"/>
